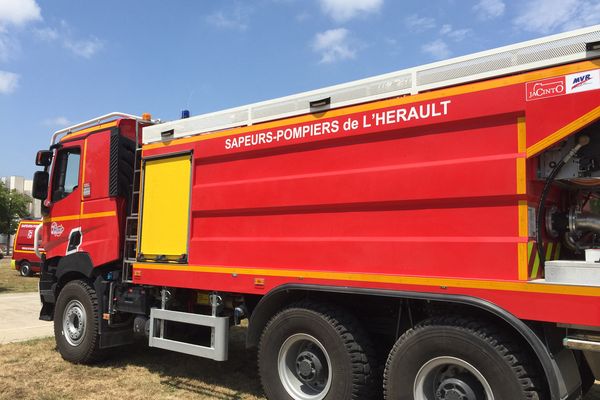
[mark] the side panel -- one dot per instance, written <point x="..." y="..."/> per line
<point x="166" y="208"/>
<point x="424" y="193"/>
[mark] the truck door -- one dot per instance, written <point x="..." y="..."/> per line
<point x="62" y="232"/>
<point x="165" y="213"/>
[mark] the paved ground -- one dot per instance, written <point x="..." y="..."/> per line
<point x="19" y="318"/>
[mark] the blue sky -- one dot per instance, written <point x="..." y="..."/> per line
<point x="65" y="61"/>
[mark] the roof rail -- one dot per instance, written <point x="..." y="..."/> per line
<point x="92" y="122"/>
<point x="540" y="53"/>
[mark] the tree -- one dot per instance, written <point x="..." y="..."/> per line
<point x="13" y="206"/>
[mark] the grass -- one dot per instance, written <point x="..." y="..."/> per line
<point x="12" y="281"/>
<point x="35" y="370"/>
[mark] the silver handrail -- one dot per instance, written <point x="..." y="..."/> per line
<point x="93" y="121"/>
<point x="36" y="240"/>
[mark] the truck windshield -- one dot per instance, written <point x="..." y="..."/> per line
<point x="66" y="177"/>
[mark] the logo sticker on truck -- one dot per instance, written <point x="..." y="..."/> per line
<point x="583" y="81"/>
<point x="56" y="229"/>
<point x="545" y="88"/>
<point x="559" y="86"/>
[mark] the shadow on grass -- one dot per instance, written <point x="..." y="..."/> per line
<point x="3" y="289"/>
<point x="229" y="380"/>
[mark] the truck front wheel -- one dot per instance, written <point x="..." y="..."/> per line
<point x="315" y="352"/>
<point x="456" y="358"/>
<point x="76" y="323"/>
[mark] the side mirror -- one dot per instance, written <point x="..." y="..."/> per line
<point x="40" y="185"/>
<point x="43" y="158"/>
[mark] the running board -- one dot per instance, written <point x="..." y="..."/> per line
<point x="219" y="334"/>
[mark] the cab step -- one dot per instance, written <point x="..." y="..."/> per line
<point x="219" y="333"/>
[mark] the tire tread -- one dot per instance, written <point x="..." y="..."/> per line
<point x="355" y="339"/>
<point x="521" y="362"/>
<point x="93" y="353"/>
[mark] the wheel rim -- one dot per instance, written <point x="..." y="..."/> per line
<point x="304" y="367"/>
<point x="450" y="378"/>
<point x="74" y="318"/>
<point x="24" y="269"/>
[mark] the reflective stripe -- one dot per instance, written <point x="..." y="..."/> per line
<point x="514" y="286"/>
<point x="82" y="216"/>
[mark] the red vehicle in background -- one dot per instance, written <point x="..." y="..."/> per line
<point x="24" y="258"/>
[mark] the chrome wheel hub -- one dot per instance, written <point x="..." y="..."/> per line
<point x="450" y="378"/>
<point x="304" y="367"/>
<point x="74" y="318"/>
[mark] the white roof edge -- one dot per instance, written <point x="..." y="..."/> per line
<point x="202" y="123"/>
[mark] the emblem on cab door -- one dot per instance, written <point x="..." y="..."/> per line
<point x="56" y="229"/>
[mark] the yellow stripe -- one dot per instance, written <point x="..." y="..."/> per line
<point x="523" y="220"/>
<point x="15" y="238"/>
<point x="88" y="130"/>
<point x="82" y="216"/>
<point x="522" y="261"/>
<point x="521" y="148"/>
<point x="29" y="251"/>
<point x="523" y="247"/>
<point x="436" y="94"/>
<point x="521" y="176"/>
<point x="536" y="265"/>
<point x="521" y="135"/>
<point x="549" y="251"/>
<point x="564" y="132"/>
<point x="514" y="286"/>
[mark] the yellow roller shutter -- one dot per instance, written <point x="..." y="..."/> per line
<point x="165" y="213"/>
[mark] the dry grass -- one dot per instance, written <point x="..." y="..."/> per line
<point x="35" y="370"/>
<point x="11" y="281"/>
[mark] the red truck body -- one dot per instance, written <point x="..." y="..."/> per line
<point x="24" y="258"/>
<point x="436" y="204"/>
<point x="465" y="208"/>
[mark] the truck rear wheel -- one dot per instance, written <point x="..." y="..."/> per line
<point x="25" y="268"/>
<point x="314" y="352"/>
<point x="455" y="358"/>
<point x="76" y="323"/>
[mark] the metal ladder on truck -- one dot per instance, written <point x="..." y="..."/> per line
<point x="132" y="219"/>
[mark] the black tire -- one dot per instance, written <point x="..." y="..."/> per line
<point x="506" y="369"/>
<point x="25" y="268"/>
<point x="79" y="300"/>
<point x="350" y="352"/>
<point x="587" y="376"/>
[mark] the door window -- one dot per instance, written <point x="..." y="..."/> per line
<point x="66" y="173"/>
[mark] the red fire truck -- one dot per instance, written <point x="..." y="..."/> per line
<point x="24" y="258"/>
<point x="431" y="233"/>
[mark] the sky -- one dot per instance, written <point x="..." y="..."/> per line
<point x="66" y="61"/>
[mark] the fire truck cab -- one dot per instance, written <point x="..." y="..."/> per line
<point x="431" y="233"/>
